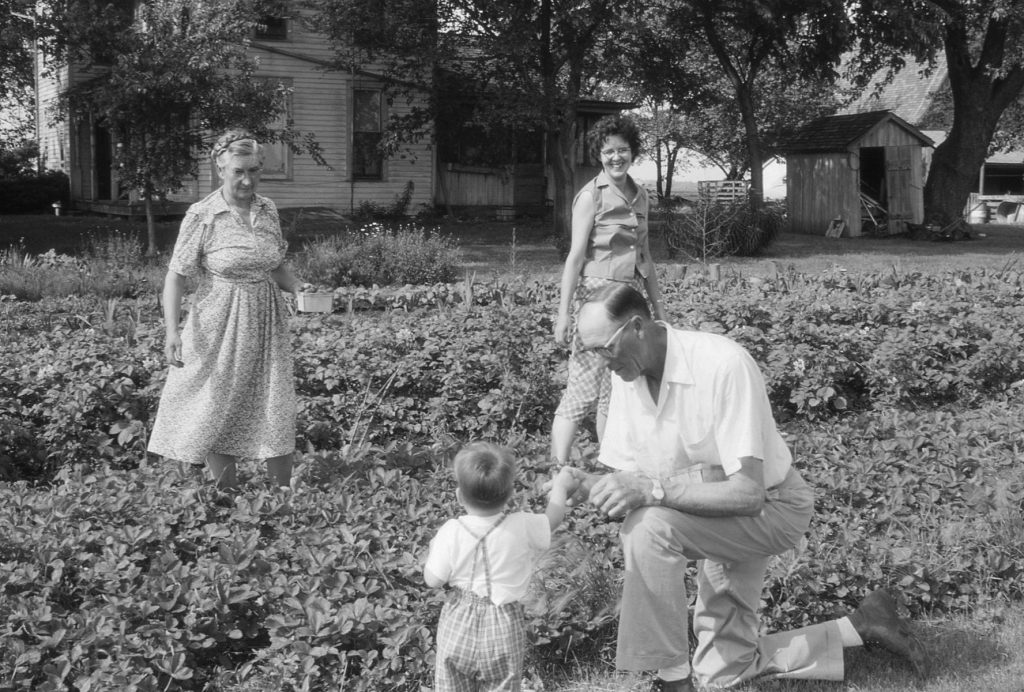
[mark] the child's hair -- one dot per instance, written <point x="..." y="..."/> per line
<point x="485" y="473"/>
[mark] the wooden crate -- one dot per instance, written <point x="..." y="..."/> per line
<point x="315" y="302"/>
<point x="723" y="191"/>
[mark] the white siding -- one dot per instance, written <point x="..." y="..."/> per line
<point x="321" y="104"/>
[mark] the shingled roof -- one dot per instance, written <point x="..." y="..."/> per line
<point x="840" y="132"/>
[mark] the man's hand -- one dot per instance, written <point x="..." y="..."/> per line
<point x="617" y="494"/>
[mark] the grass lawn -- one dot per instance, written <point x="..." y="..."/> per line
<point x="524" y="246"/>
<point x="982" y="653"/>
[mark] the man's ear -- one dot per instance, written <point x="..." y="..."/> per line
<point x="637" y="325"/>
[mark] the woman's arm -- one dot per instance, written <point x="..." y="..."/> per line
<point x="174" y="289"/>
<point x="651" y="283"/>
<point x="582" y="226"/>
<point x="284" y="279"/>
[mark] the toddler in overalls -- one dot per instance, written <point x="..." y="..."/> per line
<point x="488" y="556"/>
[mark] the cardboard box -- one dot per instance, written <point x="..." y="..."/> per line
<point x="315" y="302"/>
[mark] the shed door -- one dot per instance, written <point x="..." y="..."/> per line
<point x="900" y="187"/>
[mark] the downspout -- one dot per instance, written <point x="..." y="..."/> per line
<point x="351" y="140"/>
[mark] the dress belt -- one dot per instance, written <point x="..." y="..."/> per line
<point x="238" y="280"/>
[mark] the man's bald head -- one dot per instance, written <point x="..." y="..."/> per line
<point x="601" y="316"/>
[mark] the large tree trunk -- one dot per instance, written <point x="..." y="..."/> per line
<point x="754" y="154"/>
<point x="979" y="99"/>
<point x="561" y="146"/>
<point x="954" y="169"/>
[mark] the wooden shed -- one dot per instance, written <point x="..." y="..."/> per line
<point x="863" y="169"/>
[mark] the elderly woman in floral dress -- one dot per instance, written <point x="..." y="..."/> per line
<point x="230" y="392"/>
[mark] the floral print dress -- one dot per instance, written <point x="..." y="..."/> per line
<point x="235" y="393"/>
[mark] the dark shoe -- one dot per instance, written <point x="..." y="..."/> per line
<point x="877" y="622"/>
<point x="684" y="685"/>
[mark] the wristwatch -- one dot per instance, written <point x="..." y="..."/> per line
<point x="657" y="492"/>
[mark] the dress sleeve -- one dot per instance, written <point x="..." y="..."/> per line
<point x="188" y="248"/>
<point x="274" y="220"/>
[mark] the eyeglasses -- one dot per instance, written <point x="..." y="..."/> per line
<point x="621" y="151"/>
<point x="608" y="350"/>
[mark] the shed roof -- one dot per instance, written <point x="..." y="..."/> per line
<point x="841" y="132"/>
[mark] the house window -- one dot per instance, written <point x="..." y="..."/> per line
<point x="367" y="132"/>
<point x="271" y="28"/>
<point x="277" y="157"/>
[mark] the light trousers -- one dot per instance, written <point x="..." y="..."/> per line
<point x="734" y="553"/>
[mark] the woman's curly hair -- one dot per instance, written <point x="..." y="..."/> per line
<point x="618" y="124"/>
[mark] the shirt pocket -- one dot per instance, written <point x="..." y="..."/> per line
<point x="697" y="440"/>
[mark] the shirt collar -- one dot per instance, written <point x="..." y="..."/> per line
<point x="677" y="369"/>
<point x="604" y="181"/>
<point x="218" y="204"/>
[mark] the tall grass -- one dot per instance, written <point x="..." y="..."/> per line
<point x="109" y="266"/>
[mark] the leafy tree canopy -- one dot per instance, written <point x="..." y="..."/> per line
<point x="983" y="45"/>
<point x="162" y="77"/>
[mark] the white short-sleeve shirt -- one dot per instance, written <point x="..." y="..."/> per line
<point x="712" y="409"/>
<point x="513" y="549"/>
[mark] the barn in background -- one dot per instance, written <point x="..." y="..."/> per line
<point x="862" y="172"/>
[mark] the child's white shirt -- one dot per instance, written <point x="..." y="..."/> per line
<point x="513" y="549"/>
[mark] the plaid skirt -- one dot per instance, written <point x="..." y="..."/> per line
<point x="589" y="383"/>
<point x="480" y="646"/>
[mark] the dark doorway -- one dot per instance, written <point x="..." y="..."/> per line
<point x="872" y="174"/>
<point x="103" y="161"/>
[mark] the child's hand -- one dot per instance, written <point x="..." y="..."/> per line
<point x="567" y="480"/>
<point x="564" y="485"/>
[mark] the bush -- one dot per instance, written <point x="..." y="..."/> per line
<point x="375" y="255"/>
<point x="112" y="266"/>
<point x="35" y="194"/>
<point x="711" y="230"/>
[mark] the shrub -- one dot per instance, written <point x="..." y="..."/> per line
<point x="371" y="211"/>
<point x="35" y="194"/>
<point x="375" y="255"/>
<point x="711" y="230"/>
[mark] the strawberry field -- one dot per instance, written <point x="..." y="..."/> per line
<point x="900" y="393"/>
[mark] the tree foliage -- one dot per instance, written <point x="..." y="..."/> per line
<point x="983" y="43"/>
<point x="740" y="75"/>
<point x="747" y="70"/>
<point x="16" y="32"/>
<point x="162" y="78"/>
<point x="520" y="65"/>
<point x="17" y="96"/>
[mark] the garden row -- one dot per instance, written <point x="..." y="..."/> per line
<point x="84" y="382"/>
<point x="900" y="394"/>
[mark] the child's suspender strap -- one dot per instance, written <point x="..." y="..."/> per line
<point x="481" y="548"/>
